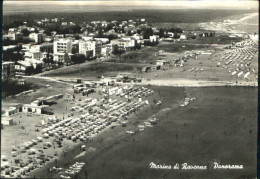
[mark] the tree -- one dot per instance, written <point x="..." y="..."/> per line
<point x="47" y="32"/>
<point x="29" y="70"/>
<point x="147" y="33"/>
<point x="25" y="32"/>
<point x="161" y="33"/>
<point x="38" y="69"/>
<point x="117" y="51"/>
<point x="74" y="50"/>
<point x="100" y="33"/>
<point x="78" y="58"/>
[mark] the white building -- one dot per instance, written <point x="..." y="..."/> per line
<point x="90" y="48"/>
<point x="125" y="42"/>
<point x="21" y="67"/>
<point x="62" y="46"/>
<point x="61" y="49"/>
<point x="37" y="37"/>
<point x="154" y="38"/>
<point x="183" y="37"/>
<point x="103" y="40"/>
<point x="32" y="54"/>
<point x="15" y="35"/>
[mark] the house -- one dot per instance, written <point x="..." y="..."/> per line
<point x="162" y="63"/>
<point x="37" y="37"/>
<point x="105" y="51"/>
<point x="21" y="68"/>
<point x="34" y="109"/>
<point x="7" y="121"/>
<point x="32" y="54"/>
<point x="183" y="37"/>
<point x="64" y="23"/>
<point x="15" y="35"/>
<point x="103" y="40"/>
<point x="125" y="43"/>
<point x="87" y="38"/>
<point x="154" y="38"/>
<point x="38" y="102"/>
<point x="11" y="111"/>
<point x="61" y="58"/>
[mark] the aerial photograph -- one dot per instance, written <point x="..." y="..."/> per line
<point x="148" y="89"/>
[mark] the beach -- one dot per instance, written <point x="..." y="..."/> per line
<point x="117" y="154"/>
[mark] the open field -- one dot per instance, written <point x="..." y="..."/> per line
<point x="10" y="88"/>
<point x="93" y="69"/>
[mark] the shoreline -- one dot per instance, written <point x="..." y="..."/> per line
<point x="105" y="140"/>
<point x="196" y="83"/>
<point x="165" y="82"/>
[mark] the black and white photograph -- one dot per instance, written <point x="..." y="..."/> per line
<point x="147" y="89"/>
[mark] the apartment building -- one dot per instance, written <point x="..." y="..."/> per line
<point x="90" y="48"/>
<point x="8" y="70"/>
<point x="61" y="49"/>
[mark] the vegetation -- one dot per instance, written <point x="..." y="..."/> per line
<point x="170" y="16"/>
<point x="11" y="87"/>
<point x="7" y="42"/>
<point x="13" y="54"/>
<point x="94" y="69"/>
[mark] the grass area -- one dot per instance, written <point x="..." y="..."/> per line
<point x="40" y="91"/>
<point x="221" y="39"/>
<point x="94" y="69"/>
<point x="148" y="55"/>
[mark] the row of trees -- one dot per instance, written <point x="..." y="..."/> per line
<point x="24" y="40"/>
<point x="67" y="29"/>
<point x="13" y="54"/>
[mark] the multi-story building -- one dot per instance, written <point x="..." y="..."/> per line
<point x="8" y="70"/>
<point x="37" y="55"/>
<point x="125" y="43"/>
<point x="62" y="46"/>
<point x="61" y="49"/>
<point x="15" y="35"/>
<point x="90" y="48"/>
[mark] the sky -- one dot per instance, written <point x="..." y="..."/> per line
<point x="230" y="4"/>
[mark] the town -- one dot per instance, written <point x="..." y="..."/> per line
<point x="74" y="91"/>
<point x="50" y="43"/>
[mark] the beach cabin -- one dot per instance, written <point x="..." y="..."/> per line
<point x="68" y="97"/>
<point x="28" y="108"/>
<point x="7" y="121"/>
